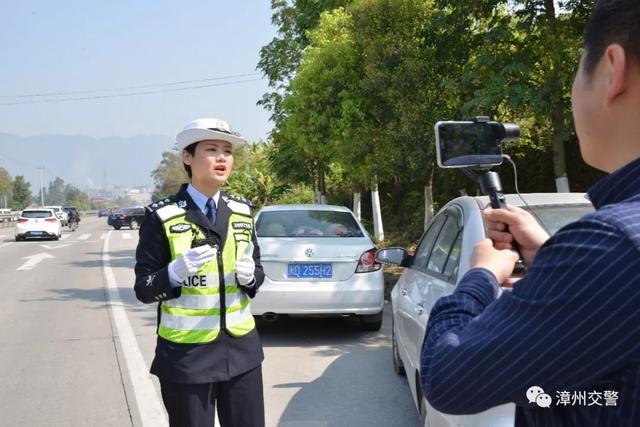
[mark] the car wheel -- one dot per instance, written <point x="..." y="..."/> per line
<point x="398" y="368"/>
<point x="134" y="224"/>
<point x="117" y="227"/>
<point x="18" y="238"/>
<point x="371" y="322"/>
<point x="55" y="237"/>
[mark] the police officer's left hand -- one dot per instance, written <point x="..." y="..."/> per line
<point x="245" y="266"/>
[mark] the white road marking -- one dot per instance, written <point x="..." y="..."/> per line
<point x="50" y="247"/>
<point x="5" y="244"/>
<point x="103" y="236"/>
<point x="65" y="236"/>
<point x="126" y="236"/>
<point x="84" y="236"/>
<point x="33" y="260"/>
<point x="147" y="400"/>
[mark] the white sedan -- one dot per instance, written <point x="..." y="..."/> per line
<point x="441" y="258"/>
<point x="318" y="260"/>
<point x="38" y="223"/>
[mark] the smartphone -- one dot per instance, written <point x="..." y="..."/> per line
<point x="469" y="143"/>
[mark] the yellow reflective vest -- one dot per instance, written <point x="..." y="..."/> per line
<point x="211" y="298"/>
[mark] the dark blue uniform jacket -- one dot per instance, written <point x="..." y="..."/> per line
<point x="220" y="360"/>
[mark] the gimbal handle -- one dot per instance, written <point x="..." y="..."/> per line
<point x="490" y="185"/>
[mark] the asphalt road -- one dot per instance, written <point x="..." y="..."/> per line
<point x="75" y="346"/>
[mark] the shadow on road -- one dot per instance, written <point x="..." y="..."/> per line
<point x="117" y="259"/>
<point x="358" y="388"/>
<point x="336" y="332"/>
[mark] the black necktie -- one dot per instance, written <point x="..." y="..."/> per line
<point x="211" y="211"/>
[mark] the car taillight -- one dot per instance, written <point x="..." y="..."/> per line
<point x="367" y="262"/>
<point x="22" y="220"/>
<point x="51" y="219"/>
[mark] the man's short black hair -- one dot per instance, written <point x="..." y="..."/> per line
<point x="612" y="21"/>
<point x="191" y="149"/>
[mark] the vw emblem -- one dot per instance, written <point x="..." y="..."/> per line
<point x="308" y="252"/>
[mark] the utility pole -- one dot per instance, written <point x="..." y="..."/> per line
<point x="41" y="168"/>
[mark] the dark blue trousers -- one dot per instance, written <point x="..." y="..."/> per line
<point x="240" y="402"/>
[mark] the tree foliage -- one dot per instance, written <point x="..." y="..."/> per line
<point x="21" y="193"/>
<point x="360" y="85"/>
<point x="6" y="187"/>
<point x="168" y="176"/>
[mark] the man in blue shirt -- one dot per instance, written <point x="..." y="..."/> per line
<point x="571" y="326"/>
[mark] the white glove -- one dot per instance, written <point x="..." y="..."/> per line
<point x="245" y="266"/>
<point x="190" y="262"/>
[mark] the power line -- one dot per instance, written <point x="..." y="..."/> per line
<point x="78" y="92"/>
<point x="121" y="95"/>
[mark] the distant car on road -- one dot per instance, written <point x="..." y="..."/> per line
<point x="38" y="223"/>
<point x="440" y="260"/>
<point x="103" y="212"/>
<point x="127" y="217"/>
<point x="60" y="213"/>
<point x="318" y="260"/>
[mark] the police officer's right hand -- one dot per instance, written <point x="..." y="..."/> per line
<point x="190" y="262"/>
<point x="523" y="228"/>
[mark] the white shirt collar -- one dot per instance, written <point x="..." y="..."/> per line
<point x="200" y="199"/>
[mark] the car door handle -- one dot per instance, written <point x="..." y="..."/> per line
<point x="404" y="292"/>
<point x="419" y="308"/>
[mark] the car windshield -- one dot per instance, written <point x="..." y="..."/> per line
<point x="36" y="214"/>
<point x="555" y="217"/>
<point x="309" y="223"/>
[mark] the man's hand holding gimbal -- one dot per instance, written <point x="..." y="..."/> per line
<point x="522" y="227"/>
<point x="499" y="258"/>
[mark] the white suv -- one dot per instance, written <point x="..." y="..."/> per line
<point x="38" y="223"/>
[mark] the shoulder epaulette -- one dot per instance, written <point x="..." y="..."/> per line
<point x="238" y="204"/>
<point x="159" y="204"/>
<point x="239" y="199"/>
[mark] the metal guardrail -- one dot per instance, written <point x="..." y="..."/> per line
<point x="7" y="220"/>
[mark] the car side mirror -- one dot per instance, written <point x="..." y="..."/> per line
<point x="394" y="256"/>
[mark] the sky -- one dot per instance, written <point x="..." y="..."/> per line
<point x="80" y="46"/>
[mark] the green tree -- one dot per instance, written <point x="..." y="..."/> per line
<point x="6" y="188"/>
<point x="280" y="58"/>
<point x="21" y="193"/>
<point x="75" y="197"/>
<point x="251" y="176"/>
<point x="55" y="192"/>
<point x="168" y="176"/>
<point x="519" y="61"/>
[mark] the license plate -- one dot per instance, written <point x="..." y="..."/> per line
<point x="310" y="271"/>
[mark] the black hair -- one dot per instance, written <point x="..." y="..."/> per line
<point x="612" y="21"/>
<point x="191" y="149"/>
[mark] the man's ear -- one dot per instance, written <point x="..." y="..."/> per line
<point x="187" y="158"/>
<point x="616" y="62"/>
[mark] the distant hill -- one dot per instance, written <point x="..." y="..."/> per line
<point x="82" y="160"/>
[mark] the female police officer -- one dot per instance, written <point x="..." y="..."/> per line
<point x="198" y="258"/>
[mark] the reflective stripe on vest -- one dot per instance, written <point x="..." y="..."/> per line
<point x="195" y="317"/>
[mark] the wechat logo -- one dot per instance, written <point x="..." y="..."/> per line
<point x="537" y="395"/>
